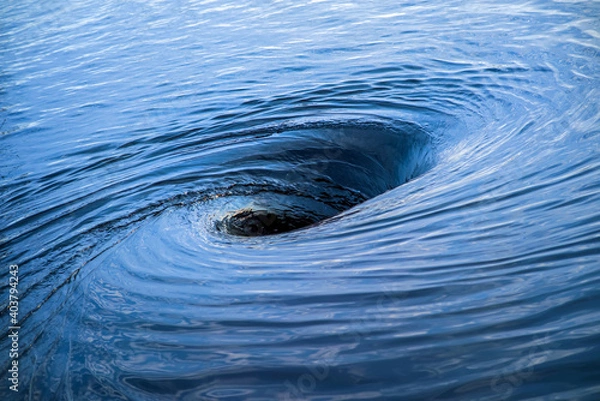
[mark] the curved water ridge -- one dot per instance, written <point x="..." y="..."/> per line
<point x="427" y="175"/>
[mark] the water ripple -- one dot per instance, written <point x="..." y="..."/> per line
<point x="427" y="176"/>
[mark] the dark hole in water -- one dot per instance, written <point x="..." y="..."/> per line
<point x="315" y="171"/>
<point x="252" y="222"/>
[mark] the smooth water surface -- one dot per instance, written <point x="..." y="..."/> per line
<point x="301" y="200"/>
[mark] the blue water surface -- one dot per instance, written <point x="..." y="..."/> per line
<point x="445" y="154"/>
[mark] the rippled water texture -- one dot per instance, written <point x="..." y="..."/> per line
<point x="324" y="200"/>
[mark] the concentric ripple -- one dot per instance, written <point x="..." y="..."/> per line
<point x="319" y="200"/>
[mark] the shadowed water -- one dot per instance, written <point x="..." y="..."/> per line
<point x="313" y="171"/>
<point x="318" y="200"/>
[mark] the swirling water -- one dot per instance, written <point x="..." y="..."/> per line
<point x="444" y="158"/>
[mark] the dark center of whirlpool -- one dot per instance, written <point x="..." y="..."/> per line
<point x="299" y="175"/>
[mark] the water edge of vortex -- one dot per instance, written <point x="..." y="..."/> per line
<point x="313" y="171"/>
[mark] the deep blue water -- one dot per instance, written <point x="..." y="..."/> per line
<point x="444" y="158"/>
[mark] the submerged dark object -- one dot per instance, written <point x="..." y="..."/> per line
<point x="297" y="176"/>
